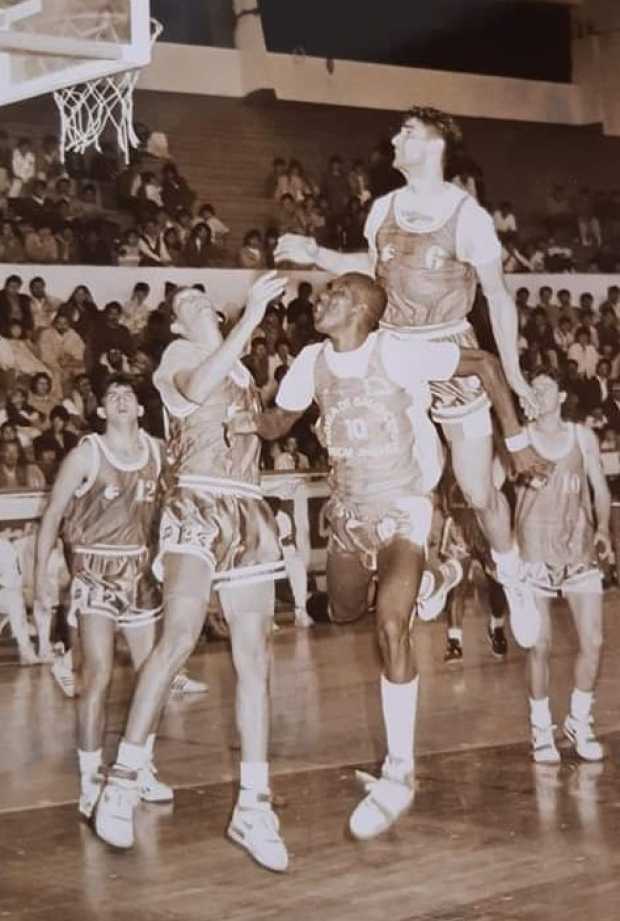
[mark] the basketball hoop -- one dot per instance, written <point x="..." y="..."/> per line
<point x="86" y="109"/>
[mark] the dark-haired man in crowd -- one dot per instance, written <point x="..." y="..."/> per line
<point x="430" y="243"/>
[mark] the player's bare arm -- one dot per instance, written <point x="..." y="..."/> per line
<point x="602" y="496"/>
<point x="196" y="384"/>
<point x="270" y="424"/>
<point x="73" y="472"/>
<point x="293" y="247"/>
<point x="503" y="315"/>
<point x="487" y="367"/>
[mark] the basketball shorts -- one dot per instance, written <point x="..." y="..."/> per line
<point x="364" y="528"/>
<point x="119" y="586"/>
<point x="236" y="537"/>
<point x="461" y="405"/>
<point x="554" y="581"/>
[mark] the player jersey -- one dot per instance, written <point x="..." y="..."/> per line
<point x="425" y="283"/>
<point x="201" y="454"/>
<point x="114" y="508"/>
<point x="554" y="524"/>
<point x="368" y="432"/>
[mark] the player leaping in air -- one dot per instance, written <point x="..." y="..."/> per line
<point x="430" y="243"/>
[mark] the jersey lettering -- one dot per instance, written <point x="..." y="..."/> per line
<point x="145" y="490"/>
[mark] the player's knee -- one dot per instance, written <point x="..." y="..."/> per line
<point x="542" y="648"/>
<point x="96" y="677"/>
<point x="392" y="629"/>
<point x="593" y="644"/>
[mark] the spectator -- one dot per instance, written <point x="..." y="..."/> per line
<point x="382" y="175"/>
<point x="196" y="253"/>
<point x="110" y="333"/>
<point x="535" y="255"/>
<point x="219" y="230"/>
<point x="539" y="333"/>
<point x="112" y="361"/>
<point x="157" y="333"/>
<point x="20" y="358"/>
<point x="353" y="228"/>
<point x="23" y="416"/>
<point x="290" y="458"/>
<point x="81" y="311"/>
<point x="278" y="169"/>
<point x="35" y="207"/>
<point x="359" y="182"/>
<point x="16" y="475"/>
<point x="14" y="306"/>
<point x="23" y="167"/>
<point x="57" y="437"/>
<point x="68" y="246"/>
<point x="607" y="329"/>
<point x="94" y="250"/>
<point x="49" y="166"/>
<point x="613" y="300"/>
<point x="43" y="306"/>
<point x="289" y="216"/>
<point x="583" y="352"/>
<point x="505" y="220"/>
<point x="64" y="352"/>
<point x="257" y="362"/>
<point x="564" y="337"/>
<point x="588" y="224"/>
<point x="566" y="307"/>
<point x="336" y="189"/>
<point x="175" y="191"/>
<point x="271" y="241"/>
<point x="586" y="318"/>
<point x="11" y="245"/>
<point x="41" y="246"/>
<point x="128" y="253"/>
<point x="611" y="406"/>
<point x="5" y="165"/>
<point x="294" y="183"/>
<point x="173" y="246"/>
<point x="598" y="388"/>
<point x="82" y="403"/>
<point x="559" y="211"/>
<point x="104" y="163"/>
<point x="136" y="311"/>
<point x="41" y="397"/>
<point x="251" y="255"/>
<point x="559" y="257"/>
<point x="596" y="420"/>
<point x="301" y="304"/>
<point x="149" y="195"/>
<point x="151" y="246"/>
<point x="86" y="208"/>
<point x="46" y="459"/>
<point x="184" y="223"/>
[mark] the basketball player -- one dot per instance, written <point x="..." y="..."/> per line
<point x="103" y="502"/>
<point x="429" y="244"/>
<point x="462" y="539"/>
<point x="385" y="458"/>
<point x="559" y="541"/>
<point x="217" y="531"/>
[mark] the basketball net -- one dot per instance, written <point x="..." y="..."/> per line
<point x="86" y="109"/>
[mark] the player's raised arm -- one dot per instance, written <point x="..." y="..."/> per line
<point x="293" y="247"/>
<point x="195" y="313"/>
<point x="73" y="471"/>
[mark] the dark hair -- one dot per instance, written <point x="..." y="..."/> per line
<point x="112" y="305"/>
<point x="59" y="412"/>
<point x="141" y="286"/>
<point x="443" y="123"/>
<point x="37" y="377"/>
<point x="201" y="225"/>
<point x="35" y="280"/>
<point x="367" y="291"/>
<point x="251" y="233"/>
<point x="118" y="380"/>
<point x="11" y="278"/>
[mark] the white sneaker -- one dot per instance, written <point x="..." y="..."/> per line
<point x="434" y="588"/>
<point x="89" y="795"/>
<point x="255" y="827"/>
<point x="114" y="812"/>
<point x="302" y="618"/>
<point x="524" y="615"/>
<point x="387" y="798"/>
<point x="27" y="655"/>
<point x="152" y="789"/>
<point x="544" y="749"/>
<point x="63" y="674"/>
<point x="183" y="684"/>
<point x="582" y="736"/>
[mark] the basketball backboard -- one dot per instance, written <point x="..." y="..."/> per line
<point x="46" y="45"/>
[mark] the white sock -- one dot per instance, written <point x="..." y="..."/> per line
<point x="507" y="562"/>
<point x="255" y="776"/>
<point x="131" y="757"/>
<point x="581" y="704"/>
<point x="89" y="762"/>
<point x="399" y="702"/>
<point x="496" y="623"/>
<point x="455" y="633"/>
<point x="540" y="714"/>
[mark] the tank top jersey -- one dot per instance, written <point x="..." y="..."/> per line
<point x="114" y="509"/>
<point x="368" y="432"/>
<point x="199" y="450"/>
<point x="425" y="283"/>
<point x="554" y="524"/>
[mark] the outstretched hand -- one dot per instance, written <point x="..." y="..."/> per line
<point x="293" y="247"/>
<point x="530" y="464"/>
<point x="267" y="288"/>
<point x="602" y="542"/>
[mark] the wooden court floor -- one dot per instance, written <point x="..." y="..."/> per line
<point x="491" y="837"/>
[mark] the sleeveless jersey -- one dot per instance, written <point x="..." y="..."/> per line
<point x="199" y="450"/>
<point x="425" y="283"/>
<point x="114" y="509"/>
<point x="368" y="432"/>
<point x="554" y="524"/>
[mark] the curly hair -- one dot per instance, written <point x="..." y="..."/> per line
<point x="443" y="123"/>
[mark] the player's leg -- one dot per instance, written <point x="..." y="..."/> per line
<point x="472" y="461"/>
<point x="400" y="566"/>
<point x="96" y="642"/>
<point x="140" y="641"/>
<point x="455" y="613"/>
<point x="544" y="750"/>
<point x="12" y="602"/>
<point x="254" y="825"/>
<point x="348" y="581"/>
<point x="498" y="607"/>
<point x="587" y="612"/>
<point x="187" y="582"/>
<point x="298" y="579"/>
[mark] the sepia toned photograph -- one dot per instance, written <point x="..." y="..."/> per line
<point x="309" y="460"/>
